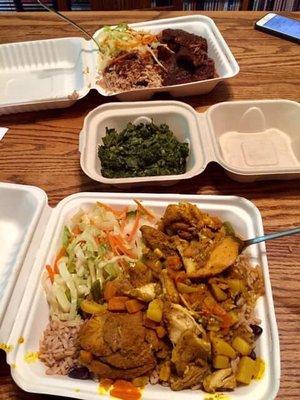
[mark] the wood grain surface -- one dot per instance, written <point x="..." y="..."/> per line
<point x="41" y="148"/>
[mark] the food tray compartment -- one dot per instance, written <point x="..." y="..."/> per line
<point x="43" y="73"/>
<point x="33" y="314"/>
<point x="178" y="116"/>
<point x="20" y="210"/>
<point x="257" y="139"/>
<point x="225" y="64"/>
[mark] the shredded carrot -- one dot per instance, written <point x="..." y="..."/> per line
<point x="124" y="218"/>
<point x="123" y="264"/>
<point x="133" y="306"/>
<point x="112" y="243"/>
<point x="135" y="227"/>
<point x="109" y="208"/>
<point x="149" y="213"/>
<point x="50" y="272"/>
<point x="60" y="254"/>
<point x="121" y="246"/>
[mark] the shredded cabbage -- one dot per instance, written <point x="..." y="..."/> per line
<point x="94" y="243"/>
<point x="114" y="41"/>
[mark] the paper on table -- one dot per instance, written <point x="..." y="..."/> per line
<point x="3" y="132"/>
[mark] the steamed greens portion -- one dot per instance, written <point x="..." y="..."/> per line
<point x="142" y="150"/>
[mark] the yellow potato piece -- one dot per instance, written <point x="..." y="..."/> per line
<point x="223" y="348"/>
<point x="260" y="367"/>
<point x="220" y="362"/>
<point x="155" y="310"/>
<point x="224" y="254"/>
<point x="245" y="370"/>
<point x="241" y="346"/>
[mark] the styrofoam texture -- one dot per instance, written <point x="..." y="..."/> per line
<point x="225" y="63"/>
<point x="256" y="139"/>
<point x="20" y="209"/>
<point x="43" y="74"/>
<point x="180" y="117"/>
<point x="33" y="314"/>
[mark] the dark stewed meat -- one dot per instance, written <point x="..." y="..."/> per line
<point x="185" y="59"/>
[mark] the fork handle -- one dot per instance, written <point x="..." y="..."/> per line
<point x="270" y="236"/>
<point x="69" y="21"/>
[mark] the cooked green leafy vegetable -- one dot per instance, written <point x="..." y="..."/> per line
<point x="142" y="150"/>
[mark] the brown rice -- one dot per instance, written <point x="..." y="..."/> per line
<point x="59" y="347"/>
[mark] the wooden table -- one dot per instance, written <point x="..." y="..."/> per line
<point x="41" y="149"/>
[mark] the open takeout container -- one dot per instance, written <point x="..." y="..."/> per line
<point x="55" y="73"/>
<point x="251" y="140"/>
<point x="32" y="232"/>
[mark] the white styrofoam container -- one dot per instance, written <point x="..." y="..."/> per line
<point x="251" y="140"/>
<point x="56" y="72"/>
<point x="27" y="313"/>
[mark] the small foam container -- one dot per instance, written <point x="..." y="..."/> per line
<point x="33" y="235"/>
<point x="55" y="73"/>
<point x="251" y="140"/>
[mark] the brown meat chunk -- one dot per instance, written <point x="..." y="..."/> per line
<point x="188" y="214"/>
<point x="118" y="343"/>
<point x="187" y="61"/>
<point x="129" y="358"/>
<point x="177" y="38"/>
<point x="169" y="288"/>
<point x="188" y="349"/>
<point x="155" y="239"/>
<point x="91" y="336"/>
<point x="105" y="371"/>
<point x="124" y="331"/>
<point x="191" y="59"/>
<point x="193" y="376"/>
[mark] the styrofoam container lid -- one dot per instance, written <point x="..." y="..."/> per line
<point x="57" y="72"/>
<point x="31" y="317"/>
<point x="251" y="140"/>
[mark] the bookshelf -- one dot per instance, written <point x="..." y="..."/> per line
<point x="243" y="5"/>
<point x="188" y="5"/>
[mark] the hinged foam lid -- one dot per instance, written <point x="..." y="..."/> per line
<point x="23" y="213"/>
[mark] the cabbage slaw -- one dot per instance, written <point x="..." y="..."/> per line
<point x="94" y="246"/>
<point x="120" y="39"/>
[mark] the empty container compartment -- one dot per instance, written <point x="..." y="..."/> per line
<point x="42" y="71"/>
<point x="256" y="139"/>
<point x="20" y="208"/>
